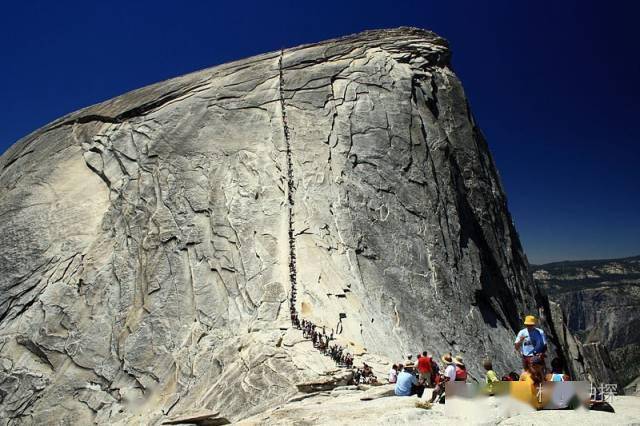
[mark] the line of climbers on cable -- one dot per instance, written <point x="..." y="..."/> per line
<point x="413" y="377"/>
<point x="322" y="342"/>
<point x="319" y="336"/>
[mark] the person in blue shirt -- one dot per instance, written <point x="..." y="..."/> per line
<point x="407" y="384"/>
<point x="531" y="341"/>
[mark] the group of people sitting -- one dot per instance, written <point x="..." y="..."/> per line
<point x="412" y="378"/>
<point x="364" y="376"/>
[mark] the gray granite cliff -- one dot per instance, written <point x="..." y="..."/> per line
<point x="150" y="243"/>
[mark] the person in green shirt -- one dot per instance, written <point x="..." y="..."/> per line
<point x="491" y="377"/>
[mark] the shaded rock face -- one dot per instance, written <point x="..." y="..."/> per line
<point x="583" y="361"/>
<point x="149" y="244"/>
<point x="600" y="301"/>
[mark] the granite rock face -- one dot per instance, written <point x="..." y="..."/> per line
<point x="149" y="243"/>
<point x="583" y="361"/>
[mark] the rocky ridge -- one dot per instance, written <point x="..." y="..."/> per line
<point x="150" y="244"/>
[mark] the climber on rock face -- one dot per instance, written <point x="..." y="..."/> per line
<point x="530" y="341"/>
<point x="321" y="341"/>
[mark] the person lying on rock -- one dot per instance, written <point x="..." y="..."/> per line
<point x="407" y="384"/>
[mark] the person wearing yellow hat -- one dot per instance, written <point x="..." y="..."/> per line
<point x="531" y="341"/>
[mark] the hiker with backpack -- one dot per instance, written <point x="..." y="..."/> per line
<point x="460" y="369"/>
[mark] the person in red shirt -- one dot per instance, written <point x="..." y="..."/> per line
<point x="424" y="368"/>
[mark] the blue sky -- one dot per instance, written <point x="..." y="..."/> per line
<point x="553" y="85"/>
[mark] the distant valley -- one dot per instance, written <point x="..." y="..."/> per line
<point x="601" y="302"/>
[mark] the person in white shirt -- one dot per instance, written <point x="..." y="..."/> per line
<point x="449" y="376"/>
<point x="450" y="371"/>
